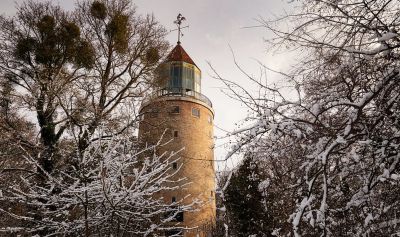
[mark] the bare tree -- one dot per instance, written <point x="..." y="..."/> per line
<point x="68" y="74"/>
<point x="338" y="139"/>
<point x="128" y="49"/>
<point x="75" y="70"/>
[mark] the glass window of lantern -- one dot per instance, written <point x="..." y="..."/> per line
<point x="197" y="81"/>
<point x="176" y="76"/>
<point x="188" y="77"/>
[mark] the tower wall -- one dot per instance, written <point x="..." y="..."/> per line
<point x="195" y="136"/>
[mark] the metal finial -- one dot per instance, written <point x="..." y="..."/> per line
<point x="178" y="22"/>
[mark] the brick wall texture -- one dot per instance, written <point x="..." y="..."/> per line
<point x="195" y="136"/>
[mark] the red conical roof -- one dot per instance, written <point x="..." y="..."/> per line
<point x="179" y="54"/>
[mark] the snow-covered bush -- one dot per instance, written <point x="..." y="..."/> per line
<point x="110" y="190"/>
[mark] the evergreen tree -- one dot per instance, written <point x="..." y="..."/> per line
<point x="245" y="203"/>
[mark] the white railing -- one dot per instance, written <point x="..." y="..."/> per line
<point x="178" y="92"/>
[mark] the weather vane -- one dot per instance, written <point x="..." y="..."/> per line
<point x="178" y="22"/>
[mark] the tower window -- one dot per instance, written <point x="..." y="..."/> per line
<point x="174" y="165"/>
<point x="173" y="232"/>
<point x="188" y="77"/>
<point x="175" y="133"/>
<point x="154" y="113"/>
<point x="175" y="110"/>
<point x="196" y="112"/>
<point x="175" y="211"/>
<point x="176" y="76"/>
<point x="173" y="199"/>
<point x="179" y="216"/>
<point x="209" y="119"/>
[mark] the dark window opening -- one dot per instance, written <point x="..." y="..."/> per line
<point x="175" y="133"/>
<point x="154" y="113"/>
<point x="179" y="216"/>
<point x="174" y="166"/>
<point x="174" y="233"/>
<point x="173" y="199"/>
<point x="176" y="213"/>
<point x="175" y="110"/>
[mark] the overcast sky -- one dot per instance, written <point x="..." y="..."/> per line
<point x="214" y="27"/>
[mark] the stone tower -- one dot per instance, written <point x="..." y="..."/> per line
<point x="178" y="108"/>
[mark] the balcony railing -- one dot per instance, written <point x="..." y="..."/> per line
<point x="178" y="92"/>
